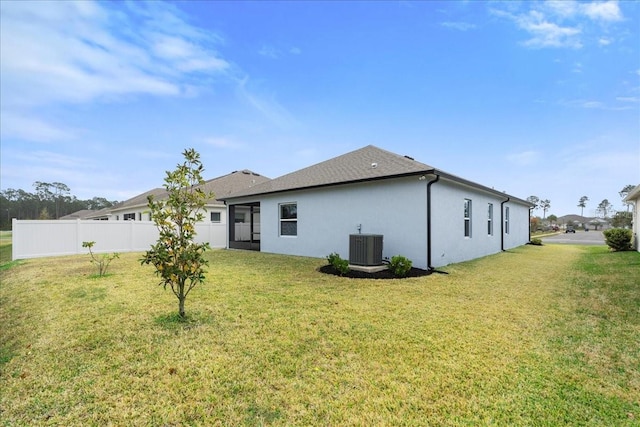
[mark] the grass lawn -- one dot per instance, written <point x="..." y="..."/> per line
<point x="541" y="336"/>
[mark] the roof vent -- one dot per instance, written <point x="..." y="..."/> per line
<point x="409" y="157"/>
<point x="374" y="165"/>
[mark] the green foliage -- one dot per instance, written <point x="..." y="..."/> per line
<point x="341" y="265"/>
<point x="622" y="219"/>
<point x="536" y="241"/>
<point x="618" y="239"/>
<point x="102" y="261"/>
<point x="400" y="265"/>
<point x="178" y="259"/>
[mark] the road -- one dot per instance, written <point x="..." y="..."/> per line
<point x="577" y="238"/>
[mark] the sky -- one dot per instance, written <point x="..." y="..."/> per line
<point x="532" y="98"/>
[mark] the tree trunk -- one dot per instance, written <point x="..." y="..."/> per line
<point x="181" y="299"/>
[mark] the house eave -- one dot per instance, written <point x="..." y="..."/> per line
<point x="431" y="172"/>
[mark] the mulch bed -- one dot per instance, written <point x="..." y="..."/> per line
<point x="384" y="274"/>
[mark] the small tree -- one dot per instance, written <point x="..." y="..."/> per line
<point x="178" y="259"/>
<point x="545" y="205"/>
<point x="625" y="192"/>
<point x="605" y="208"/>
<point x="582" y="203"/>
<point x="103" y="261"/>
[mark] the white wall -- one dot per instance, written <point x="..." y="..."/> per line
<point x="34" y="239"/>
<point x="449" y="244"/>
<point x="327" y="216"/>
<point x="395" y="208"/>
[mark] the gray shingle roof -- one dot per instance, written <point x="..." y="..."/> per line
<point x="366" y="164"/>
<point x="220" y="186"/>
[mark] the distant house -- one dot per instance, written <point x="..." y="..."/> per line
<point x="137" y="209"/>
<point x="583" y="222"/>
<point x="428" y="215"/>
<point x="81" y="214"/>
<point x="634" y="198"/>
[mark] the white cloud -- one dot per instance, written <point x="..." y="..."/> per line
<point x="269" y="52"/>
<point x="628" y="99"/>
<point x="265" y="104"/>
<point x="547" y="34"/>
<point x="295" y="51"/>
<point x="460" y="26"/>
<point x="602" y="11"/>
<point x="32" y="129"/>
<point x="561" y="24"/>
<point x="84" y="51"/>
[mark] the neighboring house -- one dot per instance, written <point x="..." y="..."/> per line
<point x="81" y="214"/>
<point x="430" y="216"/>
<point x="137" y="209"/>
<point x="582" y="222"/>
<point x="634" y="198"/>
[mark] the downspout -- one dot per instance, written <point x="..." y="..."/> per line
<point x="502" y="223"/>
<point x="429" y="266"/>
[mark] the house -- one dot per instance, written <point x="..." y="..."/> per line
<point x="423" y="213"/>
<point x="137" y="209"/>
<point x="634" y="198"/>
<point x="583" y="222"/>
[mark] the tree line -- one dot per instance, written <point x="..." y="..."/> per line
<point x="49" y="200"/>
<point x="604" y="209"/>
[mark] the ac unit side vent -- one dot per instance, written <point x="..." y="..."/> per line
<point x="365" y="249"/>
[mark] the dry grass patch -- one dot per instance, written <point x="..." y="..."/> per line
<point x="271" y="341"/>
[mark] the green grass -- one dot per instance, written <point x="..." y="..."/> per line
<point x="540" y="336"/>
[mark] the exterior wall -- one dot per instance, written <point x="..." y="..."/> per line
<point x="327" y="216"/>
<point x="449" y="243"/>
<point x="34" y="239"/>
<point x="143" y="212"/>
<point x="397" y="209"/>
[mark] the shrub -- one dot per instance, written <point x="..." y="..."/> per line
<point x="400" y="265"/>
<point x="341" y="265"/>
<point x="102" y="261"/>
<point x="618" y="239"/>
<point x="536" y="241"/>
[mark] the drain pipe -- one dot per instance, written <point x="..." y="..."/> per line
<point x="502" y="223"/>
<point x="429" y="266"/>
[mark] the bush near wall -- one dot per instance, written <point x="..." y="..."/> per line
<point x="618" y="239"/>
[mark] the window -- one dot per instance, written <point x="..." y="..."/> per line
<point x="238" y="218"/>
<point x="129" y="217"/>
<point x="289" y="219"/>
<point x="467" y="218"/>
<point x="490" y="220"/>
<point x="506" y="220"/>
<point x="215" y="216"/>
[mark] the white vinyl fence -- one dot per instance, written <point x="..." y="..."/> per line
<point x="36" y="238"/>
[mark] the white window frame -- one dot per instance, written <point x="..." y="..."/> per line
<point x="215" y="221"/>
<point x="282" y="220"/>
<point x="506" y="220"/>
<point x="468" y="210"/>
<point x="129" y="216"/>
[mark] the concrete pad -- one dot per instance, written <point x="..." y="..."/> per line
<point x="368" y="268"/>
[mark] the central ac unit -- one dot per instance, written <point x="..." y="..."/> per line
<point x="365" y="249"/>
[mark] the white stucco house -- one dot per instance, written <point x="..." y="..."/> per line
<point x="634" y="198"/>
<point x="425" y="214"/>
<point x="137" y="209"/>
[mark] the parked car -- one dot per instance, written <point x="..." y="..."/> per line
<point x="570" y="229"/>
<point x="555" y="228"/>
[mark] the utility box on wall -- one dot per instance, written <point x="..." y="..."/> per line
<point x="365" y="249"/>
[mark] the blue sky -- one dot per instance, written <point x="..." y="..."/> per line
<point x="533" y="98"/>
